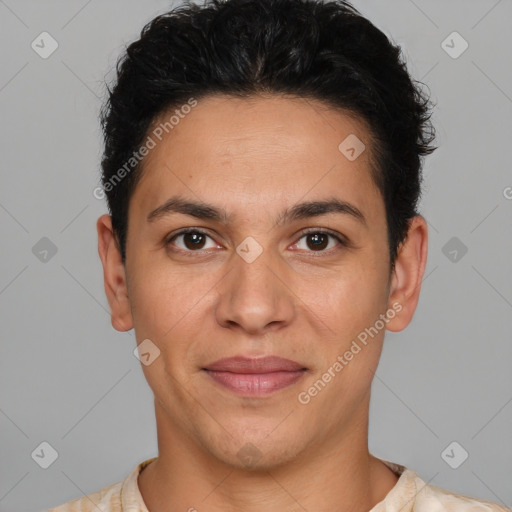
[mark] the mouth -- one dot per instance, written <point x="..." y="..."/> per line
<point x="255" y="377"/>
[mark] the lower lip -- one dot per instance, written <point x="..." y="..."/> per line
<point x="255" y="384"/>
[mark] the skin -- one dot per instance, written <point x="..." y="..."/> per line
<point x="255" y="158"/>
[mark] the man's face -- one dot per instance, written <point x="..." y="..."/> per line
<point x="250" y="287"/>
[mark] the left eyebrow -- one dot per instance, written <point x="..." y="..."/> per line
<point x="299" y="211"/>
<point x="316" y="208"/>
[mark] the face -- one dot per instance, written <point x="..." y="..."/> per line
<point x="260" y="275"/>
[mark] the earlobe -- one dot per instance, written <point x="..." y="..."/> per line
<point x="114" y="275"/>
<point x="408" y="273"/>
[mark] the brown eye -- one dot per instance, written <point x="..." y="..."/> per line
<point x="192" y="240"/>
<point x="318" y="240"/>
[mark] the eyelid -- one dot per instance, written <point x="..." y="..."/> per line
<point x="343" y="241"/>
<point x="341" y="238"/>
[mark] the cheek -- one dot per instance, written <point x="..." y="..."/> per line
<point x="162" y="312"/>
<point x="170" y="307"/>
<point x="348" y="301"/>
<point x="160" y="297"/>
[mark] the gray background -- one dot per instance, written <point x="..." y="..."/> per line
<point x="68" y="378"/>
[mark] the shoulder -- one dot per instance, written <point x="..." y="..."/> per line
<point x="107" y="499"/>
<point x="412" y="494"/>
<point x="123" y="495"/>
<point x="431" y="498"/>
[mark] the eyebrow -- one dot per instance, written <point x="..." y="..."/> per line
<point x="201" y="210"/>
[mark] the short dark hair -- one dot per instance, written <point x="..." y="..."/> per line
<point x="324" y="51"/>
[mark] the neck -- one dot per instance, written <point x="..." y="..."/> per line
<point x="337" y="475"/>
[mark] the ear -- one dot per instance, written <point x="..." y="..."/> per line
<point x="114" y="275"/>
<point x="407" y="276"/>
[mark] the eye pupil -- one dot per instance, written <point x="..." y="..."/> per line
<point x="198" y="239"/>
<point x="316" y="242"/>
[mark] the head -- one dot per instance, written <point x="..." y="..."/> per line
<point x="250" y="109"/>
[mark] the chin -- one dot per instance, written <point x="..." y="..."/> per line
<point x="256" y="451"/>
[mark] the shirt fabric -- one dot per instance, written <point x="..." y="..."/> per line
<point x="410" y="494"/>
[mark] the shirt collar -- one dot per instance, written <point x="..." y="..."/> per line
<point x="400" y="498"/>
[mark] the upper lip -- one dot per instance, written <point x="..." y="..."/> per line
<point x="268" y="364"/>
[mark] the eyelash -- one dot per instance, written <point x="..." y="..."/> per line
<point x="342" y="241"/>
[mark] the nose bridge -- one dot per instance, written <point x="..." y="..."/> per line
<point x="255" y="267"/>
<point x="253" y="295"/>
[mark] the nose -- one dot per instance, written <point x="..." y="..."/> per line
<point x="255" y="296"/>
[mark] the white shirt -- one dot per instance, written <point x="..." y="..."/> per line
<point x="410" y="494"/>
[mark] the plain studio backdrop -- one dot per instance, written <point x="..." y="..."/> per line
<point x="443" y="389"/>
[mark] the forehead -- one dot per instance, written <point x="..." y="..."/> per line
<point x="257" y="150"/>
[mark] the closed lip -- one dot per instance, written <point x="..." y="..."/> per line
<point x="248" y="365"/>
